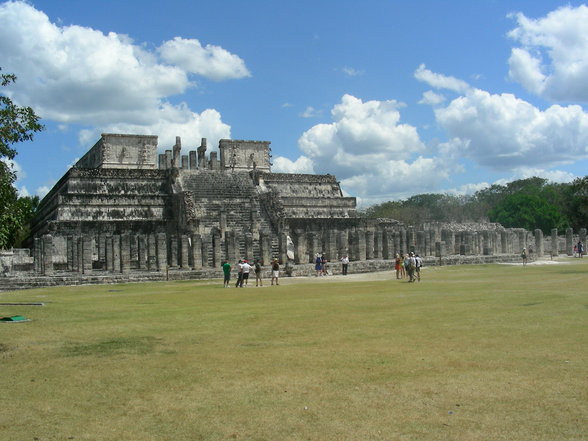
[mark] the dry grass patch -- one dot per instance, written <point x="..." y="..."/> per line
<point x="471" y="353"/>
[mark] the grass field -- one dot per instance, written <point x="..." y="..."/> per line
<point x="491" y="352"/>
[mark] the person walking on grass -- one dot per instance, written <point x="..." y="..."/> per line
<point x="246" y="270"/>
<point x="257" y="269"/>
<point x="397" y="265"/>
<point x="275" y="272"/>
<point x="239" y="283"/>
<point x="524" y="256"/>
<point x="227" y="273"/>
<point x="418" y="266"/>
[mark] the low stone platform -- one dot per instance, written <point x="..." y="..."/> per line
<point x="64" y="278"/>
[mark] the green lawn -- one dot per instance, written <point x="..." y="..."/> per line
<point x="491" y="352"/>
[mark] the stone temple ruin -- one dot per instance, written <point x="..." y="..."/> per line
<point x="124" y="209"/>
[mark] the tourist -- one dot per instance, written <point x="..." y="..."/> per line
<point x="257" y="268"/>
<point x="344" y="264"/>
<point x="275" y="271"/>
<point x="524" y="256"/>
<point x="318" y="266"/>
<point x="227" y="273"/>
<point x="246" y="269"/>
<point x="410" y="269"/>
<point x="239" y="283"/>
<point x="402" y="269"/>
<point x="580" y="249"/>
<point x="397" y="265"/>
<point x="405" y="265"/>
<point x="418" y="266"/>
<point x="323" y="265"/>
<point x="575" y="250"/>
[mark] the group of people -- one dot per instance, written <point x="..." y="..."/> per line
<point x="408" y="265"/>
<point x="244" y="268"/>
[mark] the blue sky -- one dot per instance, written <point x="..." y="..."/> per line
<point x="395" y="98"/>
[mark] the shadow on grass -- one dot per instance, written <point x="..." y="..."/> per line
<point x="125" y="345"/>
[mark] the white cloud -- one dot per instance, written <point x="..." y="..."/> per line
<point x="285" y="165"/>
<point x="351" y="72"/>
<point x="504" y="132"/>
<point x="559" y="176"/>
<point x="74" y="74"/>
<point x="210" y="61"/>
<point x="432" y="98"/>
<point x="376" y="157"/>
<point x="553" y="58"/>
<point x="43" y="190"/>
<point x="310" y="112"/>
<point x="440" y="81"/>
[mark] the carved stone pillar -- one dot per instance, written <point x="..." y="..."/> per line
<point x="369" y="245"/>
<point x="184" y="251"/>
<point x="569" y="242"/>
<point x="161" y="242"/>
<point x="539" y="243"/>
<point x="125" y="253"/>
<point x="48" y="255"/>
<point x="196" y="251"/>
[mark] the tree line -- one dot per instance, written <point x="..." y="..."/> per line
<point x="526" y="203"/>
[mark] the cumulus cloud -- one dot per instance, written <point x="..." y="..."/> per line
<point x="310" y="112"/>
<point x="75" y="74"/>
<point x="284" y="165"/>
<point x="210" y="61"/>
<point x="504" y="132"/>
<point x="552" y="60"/>
<point x="432" y="98"/>
<point x="440" y="81"/>
<point x="375" y="156"/>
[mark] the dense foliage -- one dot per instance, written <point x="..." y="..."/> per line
<point x="526" y="203"/>
<point x="17" y="124"/>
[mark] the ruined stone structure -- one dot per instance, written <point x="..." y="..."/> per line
<point x="123" y="208"/>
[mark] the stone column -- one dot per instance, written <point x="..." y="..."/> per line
<point x="378" y="244"/>
<point x="101" y="246"/>
<point x="38" y="255"/>
<point x="151" y="252"/>
<point x="361" y="246"/>
<point x="86" y="254"/>
<point x="554" y="242"/>
<point x="313" y="240"/>
<point x="232" y="246"/>
<point x="108" y="254"/>
<point x="539" y="243"/>
<point x="216" y="249"/>
<point x="411" y="240"/>
<point x="387" y="245"/>
<point x="448" y="237"/>
<point x="422" y="242"/>
<point x="206" y="249"/>
<point x="569" y="242"/>
<point x="487" y="248"/>
<point x="184" y="251"/>
<point x="70" y="253"/>
<point x="343" y="240"/>
<point x="403" y="244"/>
<point x="161" y="243"/>
<point x="248" y="246"/>
<point x="80" y="254"/>
<point x="331" y="249"/>
<point x="196" y="251"/>
<point x="48" y="255"/>
<point x="301" y="254"/>
<point x="369" y="245"/>
<point x="397" y="243"/>
<point x="142" y="252"/>
<point x="193" y="160"/>
<point x="125" y="253"/>
<point x="265" y="245"/>
<point x="173" y="251"/>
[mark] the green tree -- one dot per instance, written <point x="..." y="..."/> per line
<point x="529" y="211"/>
<point x="17" y="124"/>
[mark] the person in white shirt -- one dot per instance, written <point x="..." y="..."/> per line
<point x="344" y="264"/>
